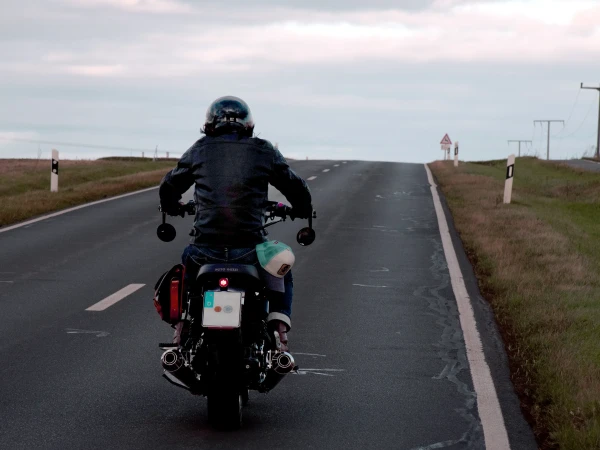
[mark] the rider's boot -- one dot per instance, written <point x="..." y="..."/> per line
<point x="281" y="328"/>
<point x="180" y="330"/>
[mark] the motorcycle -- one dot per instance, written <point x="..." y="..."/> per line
<point x="225" y="349"/>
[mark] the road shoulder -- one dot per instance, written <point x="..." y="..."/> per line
<point x="519" y="432"/>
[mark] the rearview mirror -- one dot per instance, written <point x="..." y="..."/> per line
<point x="306" y="236"/>
<point x="166" y="232"/>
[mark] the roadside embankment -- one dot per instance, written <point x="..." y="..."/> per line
<point x="537" y="261"/>
<point x="25" y="184"/>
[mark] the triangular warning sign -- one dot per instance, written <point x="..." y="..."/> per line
<point x="446" y="140"/>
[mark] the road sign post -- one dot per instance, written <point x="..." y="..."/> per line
<point x="446" y="143"/>
<point x="54" y="172"/>
<point x="510" y="173"/>
<point x="456" y="154"/>
<point x="446" y="150"/>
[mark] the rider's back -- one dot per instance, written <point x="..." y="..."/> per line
<point x="231" y="175"/>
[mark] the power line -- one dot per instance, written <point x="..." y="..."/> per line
<point x="549" y="122"/>
<point x="581" y="124"/>
<point x="73" y="144"/>
<point x="598" y="136"/>
<point x="572" y="110"/>
<point x="519" y="141"/>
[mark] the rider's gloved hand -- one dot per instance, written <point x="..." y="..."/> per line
<point x="303" y="213"/>
<point x="172" y="209"/>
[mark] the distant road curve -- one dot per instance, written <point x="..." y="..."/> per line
<point x="581" y="164"/>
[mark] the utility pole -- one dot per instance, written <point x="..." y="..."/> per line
<point x="548" y="122"/>
<point x="598" y="137"/>
<point x="519" y="141"/>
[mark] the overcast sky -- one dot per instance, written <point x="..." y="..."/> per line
<point x="338" y="79"/>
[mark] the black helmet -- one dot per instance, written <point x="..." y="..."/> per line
<point x="228" y="114"/>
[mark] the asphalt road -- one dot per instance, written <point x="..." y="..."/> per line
<point x="583" y="164"/>
<point x="376" y="330"/>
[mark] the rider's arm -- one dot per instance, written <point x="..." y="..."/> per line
<point x="176" y="182"/>
<point x="291" y="185"/>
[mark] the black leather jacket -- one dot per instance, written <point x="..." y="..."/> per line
<point x="232" y="175"/>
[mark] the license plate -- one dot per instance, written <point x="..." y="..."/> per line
<point x="222" y="309"/>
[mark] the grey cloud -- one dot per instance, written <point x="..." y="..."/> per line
<point x="386" y="110"/>
<point x="481" y="106"/>
<point x="338" y="5"/>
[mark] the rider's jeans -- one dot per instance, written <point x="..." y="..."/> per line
<point x="193" y="257"/>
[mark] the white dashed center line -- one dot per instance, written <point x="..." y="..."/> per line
<point x="311" y="178"/>
<point x="370" y="286"/>
<point x="326" y="170"/>
<point x="336" y="165"/>
<point x="116" y="297"/>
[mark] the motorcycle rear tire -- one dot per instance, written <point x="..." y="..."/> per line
<point x="225" y="410"/>
<point x="225" y="399"/>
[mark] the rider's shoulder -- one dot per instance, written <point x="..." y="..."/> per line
<point x="262" y="143"/>
<point x="257" y="143"/>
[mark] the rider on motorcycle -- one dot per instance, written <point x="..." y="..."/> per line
<point x="231" y="171"/>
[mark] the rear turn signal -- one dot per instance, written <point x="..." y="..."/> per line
<point x="223" y="283"/>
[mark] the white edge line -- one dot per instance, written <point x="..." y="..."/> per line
<point x="74" y="208"/>
<point x="114" y="298"/>
<point x="311" y="178"/>
<point x="492" y="421"/>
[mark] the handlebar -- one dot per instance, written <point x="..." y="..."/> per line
<point x="188" y="208"/>
<point x="306" y="236"/>
<point x="283" y="211"/>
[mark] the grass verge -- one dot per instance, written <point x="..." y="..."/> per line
<point x="537" y="261"/>
<point x="25" y="184"/>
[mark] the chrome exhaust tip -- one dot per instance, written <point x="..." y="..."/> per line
<point x="171" y="360"/>
<point x="283" y="363"/>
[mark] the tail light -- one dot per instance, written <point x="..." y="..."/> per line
<point x="223" y="283"/>
<point x="175" y="302"/>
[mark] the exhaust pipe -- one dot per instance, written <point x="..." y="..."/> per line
<point x="283" y="363"/>
<point x="176" y="372"/>
<point x="172" y="360"/>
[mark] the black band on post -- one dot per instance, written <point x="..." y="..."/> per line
<point x="510" y="171"/>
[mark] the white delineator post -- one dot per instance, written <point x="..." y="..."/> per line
<point x="54" y="173"/>
<point x="456" y="154"/>
<point x="510" y="173"/>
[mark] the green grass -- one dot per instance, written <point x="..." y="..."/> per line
<point x="25" y="184"/>
<point x="538" y="261"/>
